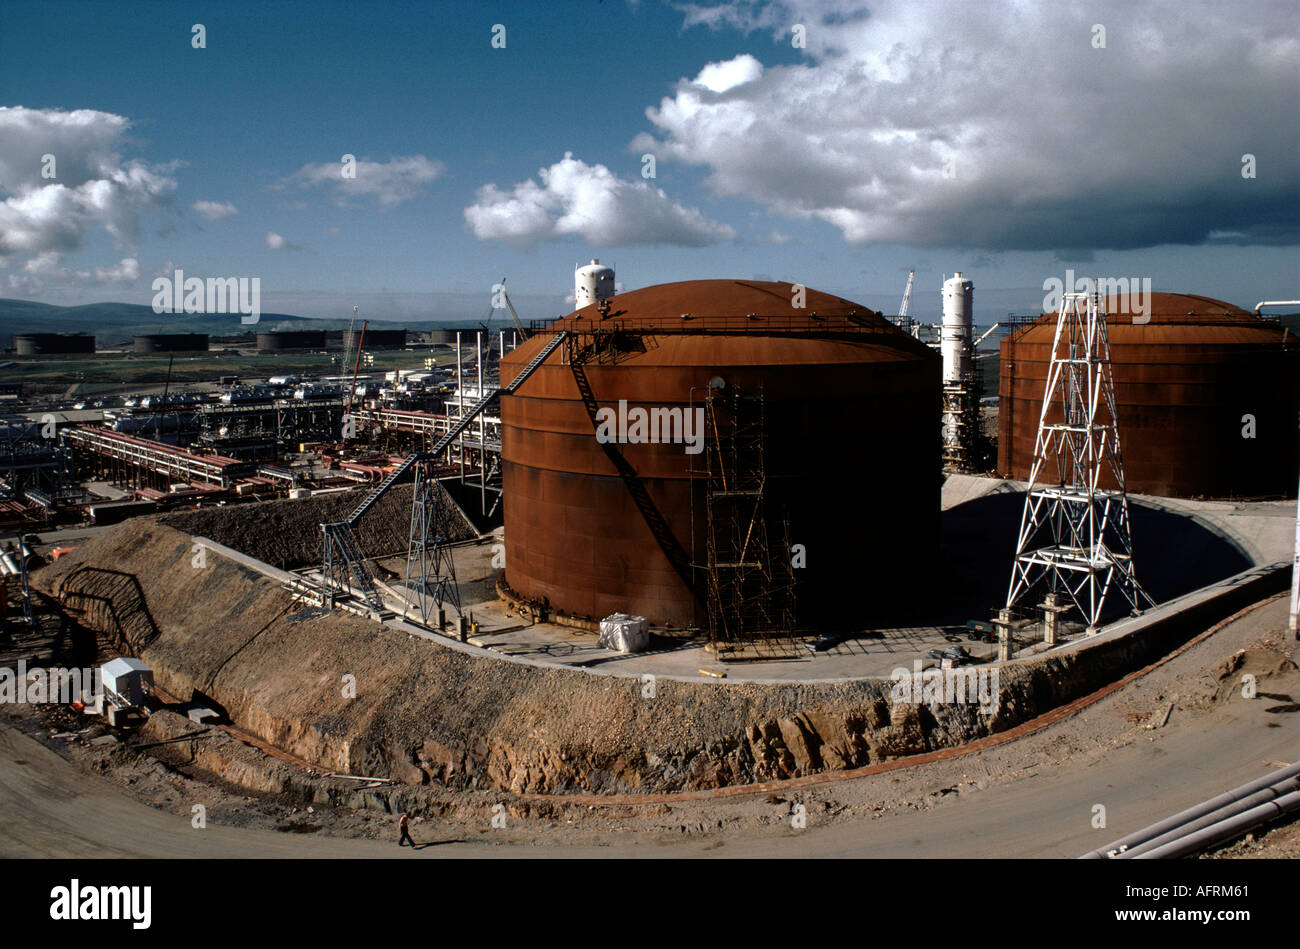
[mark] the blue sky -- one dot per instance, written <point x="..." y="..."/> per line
<point x="998" y="140"/>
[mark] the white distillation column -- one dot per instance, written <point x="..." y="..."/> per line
<point x="955" y="348"/>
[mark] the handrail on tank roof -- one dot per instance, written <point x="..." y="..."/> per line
<point x="704" y="324"/>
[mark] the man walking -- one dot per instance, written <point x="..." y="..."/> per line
<point x="404" y="825"/>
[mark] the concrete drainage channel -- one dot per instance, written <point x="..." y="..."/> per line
<point x="1215" y="821"/>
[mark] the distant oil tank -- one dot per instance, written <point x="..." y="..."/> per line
<point x="171" y="343"/>
<point x="1206" y="393"/>
<point x="592" y="283"/>
<point x="290" y="339"/>
<point x="442" y="337"/>
<point x="45" y="344"/>
<point x="375" y="339"/>
<point x="851" y="452"/>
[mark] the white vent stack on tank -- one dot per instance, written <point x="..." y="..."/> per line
<point x="955" y="336"/>
<point x="592" y="283"/>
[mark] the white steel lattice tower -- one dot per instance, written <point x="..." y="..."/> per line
<point x="1074" y="536"/>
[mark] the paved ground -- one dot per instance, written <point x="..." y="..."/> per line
<point x="1033" y="797"/>
<point x="1182" y="545"/>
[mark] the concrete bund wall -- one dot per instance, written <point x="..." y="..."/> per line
<point x="424" y="713"/>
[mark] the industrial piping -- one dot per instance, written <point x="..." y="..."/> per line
<point x="1192" y="814"/>
<point x="1264" y="796"/>
<point x="1263" y="303"/>
<point x="1225" y="829"/>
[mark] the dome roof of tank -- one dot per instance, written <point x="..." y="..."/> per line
<point x="708" y="300"/>
<point x="755" y="322"/>
<point x="1166" y="318"/>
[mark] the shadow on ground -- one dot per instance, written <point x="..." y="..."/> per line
<point x="1173" y="554"/>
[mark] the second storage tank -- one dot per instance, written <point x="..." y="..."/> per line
<point x="1207" y="396"/>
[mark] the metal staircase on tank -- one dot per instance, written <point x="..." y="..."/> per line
<point x="342" y="557"/>
<point x="654" y="519"/>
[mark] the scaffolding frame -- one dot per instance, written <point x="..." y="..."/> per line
<point x="750" y="592"/>
<point x="1075" y="536"/>
<point x="965" y="448"/>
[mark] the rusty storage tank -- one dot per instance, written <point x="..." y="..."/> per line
<point x="1183" y="382"/>
<point x="852" y="451"/>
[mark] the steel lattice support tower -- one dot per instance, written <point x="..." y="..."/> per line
<point x="1074" y="536"/>
<point x="430" y="573"/>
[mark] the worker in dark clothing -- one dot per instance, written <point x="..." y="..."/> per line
<point x="404" y="825"/>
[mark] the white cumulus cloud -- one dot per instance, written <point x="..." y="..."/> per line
<point x="276" y="241"/>
<point x="387" y="183"/>
<point x="574" y="199"/>
<point x="63" y="178"/>
<point x="1002" y="124"/>
<point x="48" y="265"/>
<point x="215" y="210"/>
<point x="719" y="77"/>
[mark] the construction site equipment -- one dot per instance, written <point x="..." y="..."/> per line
<point x="907" y="298"/>
<point x="1074" y="535"/>
<point x="519" y="326"/>
<point x="342" y="561"/>
<point x="623" y="633"/>
<point x="356" y="366"/>
<point x="127" y="681"/>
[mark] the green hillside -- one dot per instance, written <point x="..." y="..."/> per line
<point x="114" y="323"/>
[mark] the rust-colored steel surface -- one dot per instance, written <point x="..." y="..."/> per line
<point x="852" y="451"/>
<point x="1184" y="380"/>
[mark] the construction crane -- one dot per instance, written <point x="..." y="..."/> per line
<point x="907" y="297"/>
<point x="347" y="411"/>
<point x="347" y="343"/>
<point x="519" y="326"/>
